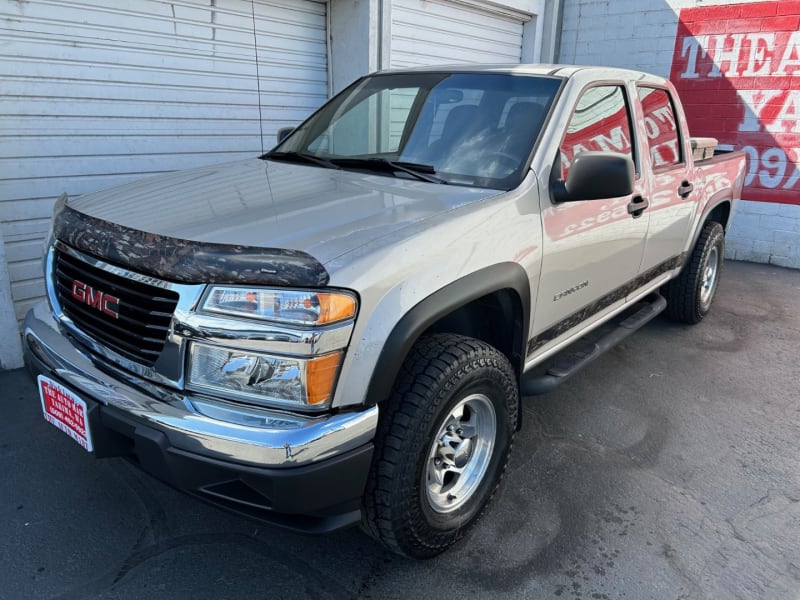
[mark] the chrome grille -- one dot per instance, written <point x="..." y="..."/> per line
<point x="144" y="312"/>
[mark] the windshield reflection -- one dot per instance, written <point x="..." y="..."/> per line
<point x="475" y="129"/>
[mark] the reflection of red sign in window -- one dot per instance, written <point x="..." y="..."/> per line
<point x="659" y="123"/>
<point x="600" y="122"/>
<point x="737" y="67"/>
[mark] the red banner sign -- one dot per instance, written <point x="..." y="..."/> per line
<point x="737" y="68"/>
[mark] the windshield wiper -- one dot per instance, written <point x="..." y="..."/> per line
<point x="304" y="157"/>
<point x="416" y="170"/>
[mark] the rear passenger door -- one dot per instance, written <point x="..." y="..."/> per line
<point x="672" y="198"/>
<point x="592" y="248"/>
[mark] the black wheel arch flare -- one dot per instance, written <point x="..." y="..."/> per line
<point x="721" y="203"/>
<point x="484" y="282"/>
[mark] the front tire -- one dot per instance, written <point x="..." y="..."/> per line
<point x="442" y="446"/>
<point x="690" y="294"/>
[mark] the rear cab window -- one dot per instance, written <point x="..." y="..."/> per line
<point x="663" y="137"/>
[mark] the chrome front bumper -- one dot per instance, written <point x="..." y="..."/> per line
<point x="203" y="426"/>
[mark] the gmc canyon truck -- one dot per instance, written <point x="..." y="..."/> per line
<point x="340" y="331"/>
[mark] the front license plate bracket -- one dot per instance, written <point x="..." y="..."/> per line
<point x="65" y="410"/>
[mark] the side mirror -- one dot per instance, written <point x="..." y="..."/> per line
<point x="595" y="176"/>
<point x="284" y="132"/>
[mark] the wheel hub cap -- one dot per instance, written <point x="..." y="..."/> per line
<point x="709" y="278"/>
<point x="460" y="454"/>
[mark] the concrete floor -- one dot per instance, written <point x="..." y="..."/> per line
<point x="669" y="469"/>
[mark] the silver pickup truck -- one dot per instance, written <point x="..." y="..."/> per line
<point x="340" y="331"/>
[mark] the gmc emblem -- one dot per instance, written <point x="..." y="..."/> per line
<point x="102" y="301"/>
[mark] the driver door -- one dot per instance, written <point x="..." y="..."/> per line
<point x="592" y="249"/>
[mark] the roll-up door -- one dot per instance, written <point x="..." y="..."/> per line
<point x="429" y="32"/>
<point x="96" y="93"/>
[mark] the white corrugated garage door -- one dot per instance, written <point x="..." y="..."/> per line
<point x="429" y="32"/>
<point x="96" y="93"/>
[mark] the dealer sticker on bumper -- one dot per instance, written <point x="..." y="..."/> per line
<point x="65" y="410"/>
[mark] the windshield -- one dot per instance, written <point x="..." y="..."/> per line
<point x="475" y="129"/>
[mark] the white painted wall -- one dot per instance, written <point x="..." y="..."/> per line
<point x="355" y="37"/>
<point x="95" y="93"/>
<point x="766" y="232"/>
<point x="10" y="346"/>
<point x="640" y="34"/>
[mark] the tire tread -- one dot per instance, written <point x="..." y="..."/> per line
<point x="430" y="363"/>
<point x="682" y="294"/>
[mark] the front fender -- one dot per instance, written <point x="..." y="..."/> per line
<point x="502" y="276"/>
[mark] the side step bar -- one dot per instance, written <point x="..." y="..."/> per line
<point x="566" y="367"/>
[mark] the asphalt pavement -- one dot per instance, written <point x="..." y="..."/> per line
<point x="668" y="469"/>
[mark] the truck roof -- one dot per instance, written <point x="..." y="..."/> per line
<point x="557" y="70"/>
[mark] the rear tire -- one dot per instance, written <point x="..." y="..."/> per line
<point x="442" y="446"/>
<point x="690" y="294"/>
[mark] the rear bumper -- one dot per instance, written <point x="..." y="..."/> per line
<point x="305" y="473"/>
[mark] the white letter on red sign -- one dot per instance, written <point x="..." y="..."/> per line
<point x="792" y="49"/>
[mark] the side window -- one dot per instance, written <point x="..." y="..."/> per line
<point x="659" y="122"/>
<point x="601" y="122"/>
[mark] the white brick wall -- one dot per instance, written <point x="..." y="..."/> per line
<point x="10" y="346"/>
<point x="767" y="233"/>
<point x="610" y="32"/>
<point x="640" y="34"/>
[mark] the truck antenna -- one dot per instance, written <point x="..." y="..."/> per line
<point x="258" y="76"/>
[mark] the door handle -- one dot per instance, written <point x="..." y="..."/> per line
<point x="637" y="206"/>
<point x="685" y="189"/>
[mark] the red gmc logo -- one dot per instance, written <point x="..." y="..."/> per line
<point x="103" y="302"/>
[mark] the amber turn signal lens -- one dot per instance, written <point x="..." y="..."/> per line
<point x="335" y="307"/>
<point x="320" y="376"/>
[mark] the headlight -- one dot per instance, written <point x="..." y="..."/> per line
<point x="263" y="378"/>
<point x="295" y="307"/>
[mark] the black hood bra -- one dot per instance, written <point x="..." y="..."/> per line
<point x="184" y="261"/>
